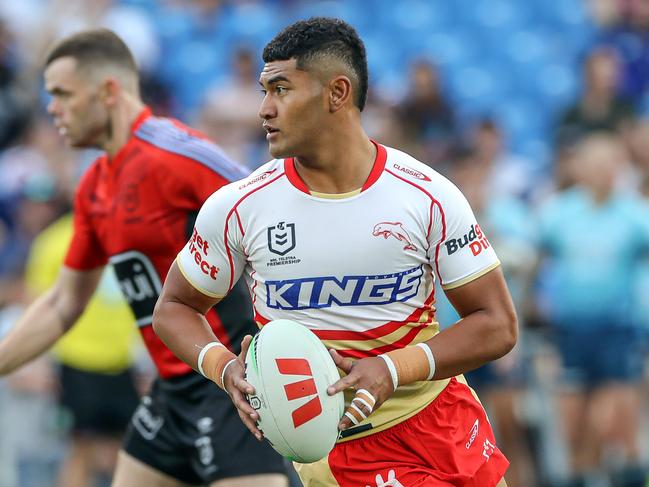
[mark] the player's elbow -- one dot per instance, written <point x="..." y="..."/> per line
<point x="507" y="331"/>
<point x="160" y="318"/>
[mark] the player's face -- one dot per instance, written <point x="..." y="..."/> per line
<point x="292" y="109"/>
<point x="78" y="113"/>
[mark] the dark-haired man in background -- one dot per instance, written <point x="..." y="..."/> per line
<point x="134" y="208"/>
<point x="345" y="236"/>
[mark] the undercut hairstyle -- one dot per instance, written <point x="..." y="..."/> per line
<point x="308" y="41"/>
<point x="92" y="48"/>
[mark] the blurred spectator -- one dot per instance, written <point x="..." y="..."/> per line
<point x="503" y="173"/>
<point x="638" y="142"/>
<point x="629" y="37"/>
<point x="37" y="206"/>
<point x="382" y="122"/>
<point x="600" y="108"/>
<point x="428" y="121"/>
<point x="230" y="115"/>
<point x="96" y="383"/>
<point x="13" y="105"/>
<point x="595" y="237"/>
<point x="501" y="384"/>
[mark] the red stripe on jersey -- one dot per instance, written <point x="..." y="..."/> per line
<point x="401" y="343"/>
<point x="377" y="169"/>
<point x="227" y="222"/>
<point x="430" y="223"/>
<point x="236" y="213"/>
<point x="379" y="166"/>
<point x="379" y="331"/>
<point x="261" y="320"/>
<point x="293" y="176"/>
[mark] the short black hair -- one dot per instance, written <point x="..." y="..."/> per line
<point x="93" y="47"/>
<point x="306" y="39"/>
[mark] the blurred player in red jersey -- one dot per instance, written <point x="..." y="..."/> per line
<point x="134" y="208"/>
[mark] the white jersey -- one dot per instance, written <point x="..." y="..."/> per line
<point x="357" y="269"/>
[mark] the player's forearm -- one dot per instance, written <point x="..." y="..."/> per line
<point x="182" y="329"/>
<point x="36" y="331"/>
<point x="473" y="341"/>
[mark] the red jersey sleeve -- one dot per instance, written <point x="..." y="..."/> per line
<point x="85" y="251"/>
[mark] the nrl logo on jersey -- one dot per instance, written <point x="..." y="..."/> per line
<point x="281" y="238"/>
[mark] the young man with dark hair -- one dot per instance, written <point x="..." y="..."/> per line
<point x="135" y="208"/>
<point x="345" y="236"/>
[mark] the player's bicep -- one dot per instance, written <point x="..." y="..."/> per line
<point x="212" y="260"/>
<point x="177" y="289"/>
<point x="487" y="293"/>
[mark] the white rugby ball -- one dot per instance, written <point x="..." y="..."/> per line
<point x="290" y="369"/>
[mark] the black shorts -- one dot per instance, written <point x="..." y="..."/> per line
<point x="188" y="428"/>
<point x="100" y="404"/>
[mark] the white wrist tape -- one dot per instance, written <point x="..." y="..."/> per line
<point x="223" y="373"/>
<point x="431" y="359"/>
<point x="201" y="355"/>
<point x="393" y="370"/>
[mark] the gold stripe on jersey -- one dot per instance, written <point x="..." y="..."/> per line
<point x="193" y="284"/>
<point x="336" y="196"/>
<point x="422" y="334"/>
<point x="472" y="277"/>
<point x="317" y="474"/>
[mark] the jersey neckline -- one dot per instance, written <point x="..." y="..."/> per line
<point x="377" y="169"/>
<point x="113" y="163"/>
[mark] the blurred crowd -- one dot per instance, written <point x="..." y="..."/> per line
<point x="537" y="110"/>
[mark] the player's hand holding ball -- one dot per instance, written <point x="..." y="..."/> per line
<point x="235" y="385"/>
<point x="374" y="379"/>
<point x="369" y="378"/>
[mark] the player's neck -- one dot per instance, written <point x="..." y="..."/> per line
<point x="121" y="121"/>
<point x="341" y="163"/>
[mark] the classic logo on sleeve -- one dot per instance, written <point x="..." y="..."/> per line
<point x="474" y="238"/>
<point x="199" y="248"/>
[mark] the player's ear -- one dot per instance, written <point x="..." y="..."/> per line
<point x="109" y="91"/>
<point x="340" y="92"/>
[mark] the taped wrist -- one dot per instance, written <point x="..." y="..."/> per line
<point x="410" y="364"/>
<point x="212" y="361"/>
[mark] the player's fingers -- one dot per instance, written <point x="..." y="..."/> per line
<point x="359" y="409"/>
<point x="247" y="414"/>
<point x="235" y="374"/>
<point x="342" y="384"/>
<point x="245" y="344"/>
<point x="251" y="425"/>
<point x="344" y="364"/>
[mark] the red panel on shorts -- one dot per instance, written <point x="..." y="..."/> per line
<point x="448" y="443"/>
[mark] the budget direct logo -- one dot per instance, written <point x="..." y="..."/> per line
<point x="474" y="238"/>
<point x="301" y="388"/>
<point x="199" y="248"/>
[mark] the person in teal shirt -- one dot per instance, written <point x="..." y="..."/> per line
<point x="595" y="238"/>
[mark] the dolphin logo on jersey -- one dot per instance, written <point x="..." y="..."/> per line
<point x="396" y="230"/>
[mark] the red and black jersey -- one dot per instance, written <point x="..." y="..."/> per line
<point x="136" y="211"/>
